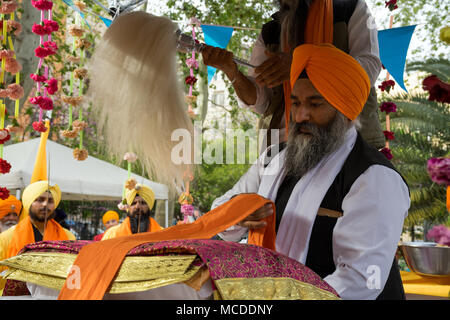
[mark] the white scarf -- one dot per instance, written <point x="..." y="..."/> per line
<point x="298" y="218"/>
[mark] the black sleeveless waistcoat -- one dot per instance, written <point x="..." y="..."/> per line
<point x="320" y="251"/>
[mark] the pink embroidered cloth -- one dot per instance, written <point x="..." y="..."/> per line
<point x="224" y="259"/>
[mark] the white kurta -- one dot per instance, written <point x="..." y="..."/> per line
<point x="365" y="238"/>
<point x="363" y="46"/>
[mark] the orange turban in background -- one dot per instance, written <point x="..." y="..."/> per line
<point x="110" y="215"/>
<point x="337" y="76"/>
<point x="10" y="205"/>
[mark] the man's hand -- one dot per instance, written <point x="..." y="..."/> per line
<point x="254" y="221"/>
<point x="275" y="70"/>
<point x="220" y="59"/>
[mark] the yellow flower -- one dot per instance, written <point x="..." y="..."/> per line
<point x="444" y="34"/>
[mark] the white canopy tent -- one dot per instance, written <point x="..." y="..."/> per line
<point x="91" y="179"/>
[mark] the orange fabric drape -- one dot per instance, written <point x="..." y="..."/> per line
<point x="23" y="235"/>
<point x="318" y="29"/>
<point x="99" y="262"/>
<point x="124" y="229"/>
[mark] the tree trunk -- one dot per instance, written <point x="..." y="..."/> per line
<point x="24" y="46"/>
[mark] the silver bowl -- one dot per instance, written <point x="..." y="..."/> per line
<point x="426" y="258"/>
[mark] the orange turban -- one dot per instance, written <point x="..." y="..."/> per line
<point x="337" y="76"/>
<point x="10" y="205"/>
<point x="110" y="215"/>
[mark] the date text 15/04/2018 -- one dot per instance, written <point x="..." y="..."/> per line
<point x="225" y="309"/>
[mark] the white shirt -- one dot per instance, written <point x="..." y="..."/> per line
<point x="365" y="238"/>
<point x="363" y="46"/>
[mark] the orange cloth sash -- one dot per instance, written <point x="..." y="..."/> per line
<point x="318" y="29"/>
<point x="23" y="235"/>
<point x="124" y="229"/>
<point x="99" y="262"/>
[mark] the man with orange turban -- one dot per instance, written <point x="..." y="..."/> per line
<point x="339" y="203"/>
<point x="110" y="219"/>
<point x="9" y="212"/>
<point x="39" y="203"/>
<point x="140" y="201"/>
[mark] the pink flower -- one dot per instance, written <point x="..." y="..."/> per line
<point x="389" y="135"/>
<point x="440" y="234"/>
<point x="6" y="54"/>
<point x="192" y="63"/>
<point x="190" y="80"/>
<point x="4" y="93"/>
<point x="4" y="136"/>
<point x="187" y="210"/>
<point x="44" y="103"/>
<point x="12" y="65"/>
<point x="42" y="4"/>
<point x="51" y="25"/>
<point x="122" y="206"/>
<point x="388" y="107"/>
<point x="8" y="7"/>
<point x="387" y="152"/>
<point x="46" y="49"/>
<point x="15" y="27"/>
<point x="130" y="157"/>
<point x="15" y="91"/>
<point x="39" y="126"/>
<point x="4" y="193"/>
<point x="439" y="170"/>
<point x="439" y="90"/>
<point x="52" y="86"/>
<point x="392" y="4"/>
<point x="50" y="46"/>
<point x="5" y="167"/>
<point x="38" y="77"/>
<point x="12" y="26"/>
<point x="387" y="85"/>
<point x="41" y="52"/>
<point x="40" y="30"/>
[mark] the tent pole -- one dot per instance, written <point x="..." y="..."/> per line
<point x="166" y="202"/>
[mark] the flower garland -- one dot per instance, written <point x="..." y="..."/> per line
<point x="45" y="85"/>
<point x="439" y="171"/>
<point x="14" y="91"/>
<point x="439" y="168"/>
<point x="131" y="183"/>
<point x="387" y="85"/>
<point x="190" y="80"/>
<point x="79" y="45"/>
<point x="186" y="200"/>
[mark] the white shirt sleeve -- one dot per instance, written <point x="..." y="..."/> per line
<point x="248" y="183"/>
<point x="366" y="237"/>
<point x="363" y="40"/>
<point x="263" y="93"/>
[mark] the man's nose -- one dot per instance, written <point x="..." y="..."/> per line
<point x="301" y="114"/>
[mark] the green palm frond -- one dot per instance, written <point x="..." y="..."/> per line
<point x="439" y="67"/>
<point x="422" y="131"/>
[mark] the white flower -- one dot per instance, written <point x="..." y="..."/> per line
<point x="130" y="157"/>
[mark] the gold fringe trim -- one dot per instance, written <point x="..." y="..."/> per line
<point x="50" y="269"/>
<point x="269" y="289"/>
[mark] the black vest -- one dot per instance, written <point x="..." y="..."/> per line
<point x="320" y="251"/>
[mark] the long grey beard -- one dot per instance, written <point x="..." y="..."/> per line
<point x="5" y="226"/>
<point x="304" y="152"/>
